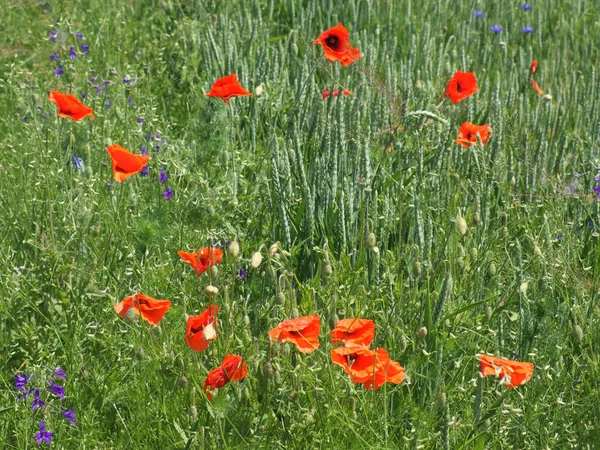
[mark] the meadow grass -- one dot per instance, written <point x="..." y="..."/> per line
<point x="323" y="178"/>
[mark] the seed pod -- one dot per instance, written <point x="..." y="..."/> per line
<point x="246" y="320"/>
<point x="417" y="270"/>
<point x="327" y="271"/>
<point x="193" y="413"/>
<point x="476" y="218"/>
<point x="211" y="291"/>
<point x="461" y="226"/>
<point x="421" y="333"/>
<point x="256" y="259"/>
<point x="491" y="269"/>
<point x="577" y="333"/>
<point x="182" y="382"/>
<point x="403" y="343"/>
<point x="460" y="262"/>
<point x="234" y="249"/>
<point x="371" y="240"/>
<point x="268" y="370"/>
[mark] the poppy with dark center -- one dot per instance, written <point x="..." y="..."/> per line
<point x="227" y="87"/>
<point x="69" y="107"/>
<point x="124" y="163"/>
<point x="536" y="87"/>
<point x="355" y="331"/>
<point x="200" y="329"/>
<point x="302" y="331"/>
<point x="149" y="309"/>
<point x="511" y="373"/>
<point x="461" y="86"/>
<point x="467" y="135"/>
<point x="201" y="260"/>
<point x="336" y="44"/>
<point x="233" y="368"/>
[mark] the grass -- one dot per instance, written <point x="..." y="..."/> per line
<point x="317" y="176"/>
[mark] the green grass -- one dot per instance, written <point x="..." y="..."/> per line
<point x="317" y="176"/>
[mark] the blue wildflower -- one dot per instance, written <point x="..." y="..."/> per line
<point x="144" y="172"/>
<point x="85" y="48"/>
<point x="129" y="101"/>
<point x="479" y="14"/>
<point x="60" y="373"/>
<point x="241" y="273"/>
<point x="168" y="194"/>
<point x="70" y="416"/>
<point x="37" y="401"/>
<point x="43" y="435"/>
<point x="140" y="120"/>
<point x="163" y="177"/>
<point x="527" y="7"/>
<point x="144" y="151"/>
<point x="527" y="30"/>
<point x="77" y="165"/>
<point x="79" y="35"/>
<point x="596" y="189"/>
<point x="57" y="390"/>
<point x="496" y="28"/>
<point x="107" y="104"/>
<point x="21" y="381"/>
<point x="54" y="57"/>
<point x="53" y="35"/>
<point x="126" y="79"/>
<point x="59" y="72"/>
<point x="559" y="237"/>
<point x="72" y="53"/>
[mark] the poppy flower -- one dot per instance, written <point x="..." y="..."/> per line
<point x="355" y="331"/>
<point x="302" y="331"/>
<point x="227" y="87"/>
<point x="149" y="309"/>
<point x="69" y="107"/>
<point x="233" y="368"/>
<point x="336" y="43"/>
<point x="467" y="135"/>
<point x="533" y="66"/>
<point x="201" y="260"/>
<point x="536" y="87"/>
<point x="346" y="92"/>
<point x="125" y="163"/>
<point x="461" y="86"/>
<point x="200" y="329"/>
<point x="511" y="373"/>
<point x="325" y="94"/>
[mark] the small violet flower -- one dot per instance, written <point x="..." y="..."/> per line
<point x="37" y="401"/>
<point x="53" y="35"/>
<point x="79" y="35"/>
<point x="496" y="28"/>
<point x="527" y="30"/>
<point x="60" y="373"/>
<point x="70" y="416"/>
<point x="143" y="150"/>
<point x="72" y="53"/>
<point x="57" y="390"/>
<point x="107" y="104"/>
<point x="43" y="435"/>
<point x="596" y="189"/>
<point x="59" y="72"/>
<point x="168" y="194"/>
<point x="144" y="172"/>
<point x="85" y="48"/>
<point x="54" y="57"/>
<point x="527" y="7"/>
<point x="140" y="120"/>
<point x="163" y="177"/>
<point x="479" y="14"/>
<point x="21" y="381"/>
<point x="77" y="165"/>
<point x="241" y="273"/>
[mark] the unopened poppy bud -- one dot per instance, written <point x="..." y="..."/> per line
<point x="421" y="333"/>
<point x="474" y="252"/>
<point x="523" y="287"/>
<point x="246" y="320"/>
<point x="492" y="269"/>
<point x="513" y="181"/>
<point x="233" y="250"/>
<point x="193" y="413"/>
<point x="333" y="320"/>
<point x="488" y="312"/>
<point x="476" y="218"/>
<point x="281" y="297"/>
<point x="256" y="259"/>
<point x="295" y="313"/>
<point x="460" y="262"/>
<point x="214" y="272"/>
<point x="273" y="248"/>
<point x="259" y="90"/>
<point x="403" y="343"/>
<point x="130" y="316"/>
<point x="182" y="382"/>
<point x="294" y="49"/>
<point x="577" y="333"/>
<point x="371" y="240"/>
<point x="268" y="370"/>
<point x="327" y="271"/>
<point x="417" y="269"/>
<point x="419" y="85"/>
<point x="547" y="98"/>
<point x="447" y="323"/>
<point x="537" y="252"/>
<point x="211" y="291"/>
<point x="441" y="399"/>
<point x="461" y="226"/>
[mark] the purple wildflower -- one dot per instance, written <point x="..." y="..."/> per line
<point x="597" y="178"/>
<point x="100" y="89"/>
<point x="21" y="381"/>
<point x="168" y="194"/>
<point x="241" y="273"/>
<point x="527" y="7"/>
<point x="591" y="225"/>
<point x="92" y="79"/>
<point x="140" y="120"/>
<point x="70" y="416"/>
<point x="527" y="30"/>
<point x="144" y="172"/>
<point x="108" y="186"/>
<point x="83" y="95"/>
<point x="53" y="35"/>
<point x="59" y="72"/>
<point x="496" y="28"/>
<point x="107" y="104"/>
<point x="77" y="165"/>
<point x="60" y="373"/>
<point x="157" y="148"/>
<point x="126" y="79"/>
<point x="129" y="101"/>
<point x="43" y="435"/>
<point x="107" y="82"/>
<point x="37" y="401"/>
<point x="163" y="177"/>
<point x="596" y="189"/>
<point x="72" y="53"/>
<point x="79" y="35"/>
<point x="479" y="14"/>
<point x="54" y="57"/>
<point x="559" y="237"/>
<point x="24" y="118"/>
<point x="143" y="150"/>
<point x="57" y="390"/>
<point x="85" y="48"/>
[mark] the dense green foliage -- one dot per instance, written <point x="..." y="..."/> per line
<point x="317" y="176"/>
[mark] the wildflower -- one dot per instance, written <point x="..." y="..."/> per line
<point x="346" y="92"/>
<point x="43" y="435"/>
<point x="201" y="260"/>
<point x="54" y="57"/>
<point x="536" y="87"/>
<point x="233" y="249"/>
<point x="227" y="87"/>
<point x="336" y="44"/>
<point x="77" y="162"/>
<point x="53" y="35"/>
<point x="57" y="390"/>
<point x="79" y="35"/>
<point x="527" y="7"/>
<point x="69" y="107"/>
<point x="511" y="373"/>
<point x="37" y="401"/>
<point x="479" y="14"/>
<point x="461" y="86"/>
<point x="168" y="194"/>
<point x="233" y="368"/>
<point x="559" y="237"/>
<point x="256" y="259"/>
<point x="143" y="150"/>
<point x="200" y="329"/>
<point x="467" y="134"/>
<point x="148" y="308"/>
<point x="107" y="104"/>
<point x="241" y="273"/>
<point x="85" y="48"/>
<point x="496" y="28"/>
<point x="355" y="331"/>
<point x="59" y="72"/>
<point x="336" y="93"/>
<point x="21" y="382"/>
<point x="527" y="30"/>
<point x="596" y="189"/>
<point x="126" y="79"/>
<point x="83" y="95"/>
<point x="70" y="416"/>
<point x="60" y="373"/>
<point x="140" y="120"/>
<point x="72" y="53"/>
<point x="124" y="163"/>
<point x="533" y="66"/>
<point x="301" y="331"/>
<point x="325" y="94"/>
<point x="163" y="177"/>
<point x="144" y="172"/>
<point x="129" y="101"/>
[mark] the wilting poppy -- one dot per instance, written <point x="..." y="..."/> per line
<point x="125" y="163"/>
<point x="461" y="86"/>
<point x="69" y="106"/>
<point x="533" y="66"/>
<point x="149" y="309"/>
<point x="233" y="368"/>
<point x="511" y="373"/>
<point x="536" y="87"/>
<point x="227" y="87"/>
<point x="302" y="331"/>
<point x="336" y="43"/>
<point x="355" y="331"/>
<point x="201" y="260"/>
<point x="467" y="135"/>
<point x="200" y="329"/>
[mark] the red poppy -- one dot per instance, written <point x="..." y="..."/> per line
<point x="201" y="260"/>
<point x="325" y="94"/>
<point x="147" y="308"/>
<point x="336" y="93"/>
<point x="336" y="43"/>
<point x="355" y="331"/>
<point x="461" y="86"/>
<point x="200" y="329"/>
<point x="125" y="163"/>
<point x="533" y="66"/>
<point x="233" y="368"/>
<point x="227" y="87"/>
<point x="536" y="87"/>
<point x="69" y="106"/>
<point x="346" y="92"/>
<point x="302" y="331"/>
<point x="467" y="135"/>
<point x="511" y="373"/>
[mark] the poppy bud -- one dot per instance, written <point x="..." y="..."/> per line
<point x="234" y="249"/>
<point x="273" y="248"/>
<point x="294" y="49"/>
<point x="182" y="382"/>
<point x="460" y="262"/>
<point x="474" y="252"/>
<point x="268" y="370"/>
<point x="421" y="333"/>
<point x="256" y="259"/>
<point x="476" y="218"/>
<point x="281" y="297"/>
<point x="547" y="98"/>
<point x="403" y="343"/>
<point x="577" y="333"/>
<point x="193" y="413"/>
<point x="371" y="240"/>
<point x="537" y="252"/>
<point x="461" y="226"/>
<point x="491" y="269"/>
<point x="130" y="316"/>
<point x="295" y="313"/>
<point x="488" y="312"/>
<point x="419" y="85"/>
<point x="259" y="90"/>
<point x="214" y="272"/>
<point x="523" y="288"/>
<point x="327" y="271"/>
<point x="513" y="181"/>
<point x="246" y="320"/>
<point x="211" y="291"/>
<point x="417" y="269"/>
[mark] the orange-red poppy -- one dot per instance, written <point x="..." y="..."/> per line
<point x="69" y="106"/>
<point x="233" y="368"/>
<point x="336" y="43"/>
<point x="227" y="87"/>
<point x="147" y="308"/>
<point x="201" y="260"/>
<point x="467" y="134"/>
<point x="125" y="163"/>
<point x="511" y="373"/>
<point x="325" y="94"/>
<point x="461" y="86"/>
<point x="533" y="66"/>
<point x="200" y="329"/>
<point x="346" y="92"/>
<point x="355" y="331"/>
<point x="302" y="331"/>
<point x="536" y="87"/>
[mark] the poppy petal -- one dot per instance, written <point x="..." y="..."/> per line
<point x="69" y="106"/>
<point x="124" y="163"/>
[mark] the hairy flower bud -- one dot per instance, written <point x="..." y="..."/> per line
<point x="461" y="226"/>
<point x="371" y="240"/>
<point x="256" y="259"/>
<point x="421" y="333"/>
<point x="577" y="333"/>
<point x="234" y="249"/>
<point x="211" y="291"/>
